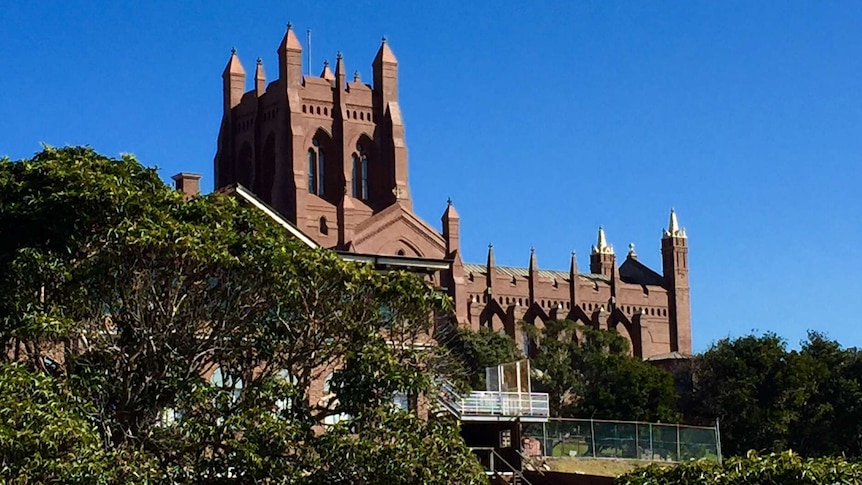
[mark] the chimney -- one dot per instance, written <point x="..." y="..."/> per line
<point x="188" y="183"/>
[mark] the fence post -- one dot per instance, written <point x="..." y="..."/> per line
<point x="717" y="440"/>
<point x="637" y="442"/>
<point x="545" y="439"/>
<point x="678" y="458"/>
<point x="651" y="449"/>
<point x="593" y="436"/>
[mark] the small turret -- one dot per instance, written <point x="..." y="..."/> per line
<point x="259" y="79"/>
<point x="340" y="74"/>
<point x="234" y="81"/>
<point x="385" y="67"/>
<point x="534" y="275"/>
<point x="490" y="268"/>
<point x="290" y="59"/>
<point x="673" y="229"/>
<point x="602" y="256"/>
<point x="327" y="72"/>
<point x="451" y="228"/>
<point x="573" y="280"/>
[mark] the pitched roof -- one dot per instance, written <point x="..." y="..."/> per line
<point x="634" y="272"/>
<point x="543" y="273"/>
<point x="247" y="196"/>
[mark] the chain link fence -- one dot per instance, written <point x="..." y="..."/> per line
<point x="593" y="438"/>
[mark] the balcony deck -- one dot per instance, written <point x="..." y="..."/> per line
<point x="496" y="406"/>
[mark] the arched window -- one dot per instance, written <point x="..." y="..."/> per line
<point x="324" y="227"/>
<point x="360" y="173"/>
<point x="316" y="162"/>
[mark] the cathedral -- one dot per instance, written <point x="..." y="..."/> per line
<point x="327" y="154"/>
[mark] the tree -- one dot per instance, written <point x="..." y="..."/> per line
<point x="786" y="468"/>
<point x="131" y="297"/>
<point x="589" y="373"/>
<point x="477" y="350"/>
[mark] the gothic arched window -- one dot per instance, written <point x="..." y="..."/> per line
<point x="316" y="162"/>
<point x="360" y="173"/>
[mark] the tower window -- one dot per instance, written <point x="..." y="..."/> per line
<point x="316" y="162"/>
<point x="360" y="173"/>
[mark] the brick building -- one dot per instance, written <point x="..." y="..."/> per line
<point x="328" y="153"/>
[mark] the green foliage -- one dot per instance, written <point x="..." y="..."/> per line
<point x="481" y="349"/>
<point x="785" y="468"/>
<point x="589" y="374"/>
<point x="122" y="298"/>
<point x="48" y="435"/>
<point x="769" y="398"/>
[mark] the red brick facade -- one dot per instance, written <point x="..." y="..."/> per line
<point x="329" y="154"/>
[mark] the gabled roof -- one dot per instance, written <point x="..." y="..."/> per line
<point x="543" y="273"/>
<point x="634" y="272"/>
<point x="246" y="195"/>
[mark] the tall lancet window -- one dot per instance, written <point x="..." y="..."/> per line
<point x="316" y="163"/>
<point x="360" y="173"/>
<point x="312" y="170"/>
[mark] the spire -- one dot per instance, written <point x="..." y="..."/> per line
<point x="234" y="81"/>
<point x="451" y="227"/>
<point x="327" y="72"/>
<point x="490" y="270"/>
<point x="356" y="77"/>
<point x="632" y="254"/>
<point x="259" y="78"/>
<point x="290" y="42"/>
<point x="385" y="54"/>
<point x="573" y="281"/>
<point x="339" y="68"/>
<point x="450" y="212"/>
<point x="602" y="246"/>
<point x="290" y="59"/>
<point x="385" y="72"/>
<point x="234" y="67"/>
<point x="533" y="280"/>
<point x="673" y="229"/>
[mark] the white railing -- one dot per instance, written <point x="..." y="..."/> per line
<point x="477" y="404"/>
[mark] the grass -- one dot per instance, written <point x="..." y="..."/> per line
<point x="605" y="467"/>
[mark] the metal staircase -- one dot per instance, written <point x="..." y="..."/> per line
<point x="496" y="467"/>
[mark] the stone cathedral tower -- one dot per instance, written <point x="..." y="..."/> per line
<point x="328" y="154"/>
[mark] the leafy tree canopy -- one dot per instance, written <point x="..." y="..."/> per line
<point x="785" y="468"/>
<point x="589" y="374"/>
<point x="767" y="397"/>
<point x="120" y="299"/>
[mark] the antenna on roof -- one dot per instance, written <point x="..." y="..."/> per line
<point x="308" y="41"/>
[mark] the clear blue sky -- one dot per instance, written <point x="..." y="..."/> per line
<point x="541" y="120"/>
